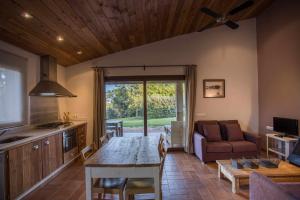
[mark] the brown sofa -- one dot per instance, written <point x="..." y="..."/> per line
<point x="262" y="188"/>
<point x="218" y="140"/>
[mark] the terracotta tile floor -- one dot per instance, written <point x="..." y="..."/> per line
<point x="185" y="177"/>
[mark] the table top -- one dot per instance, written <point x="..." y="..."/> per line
<point x="284" y="169"/>
<point x="127" y="152"/>
<point x="113" y="121"/>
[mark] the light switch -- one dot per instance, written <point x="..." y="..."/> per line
<point x="201" y="114"/>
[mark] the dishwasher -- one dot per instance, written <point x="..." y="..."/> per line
<point x="3" y="175"/>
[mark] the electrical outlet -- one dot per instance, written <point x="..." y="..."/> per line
<point x="269" y="128"/>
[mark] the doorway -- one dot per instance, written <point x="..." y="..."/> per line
<point x="147" y="106"/>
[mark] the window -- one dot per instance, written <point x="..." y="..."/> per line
<point x="13" y="104"/>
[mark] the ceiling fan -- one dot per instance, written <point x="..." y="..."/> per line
<point x="224" y="19"/>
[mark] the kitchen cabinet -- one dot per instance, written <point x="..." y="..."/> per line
<point x="81" y="136"/>
<point x="52" y="154"/>
<point x="25" y="168"/>
<point x="31" y="164"/>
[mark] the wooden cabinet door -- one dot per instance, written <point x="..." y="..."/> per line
<point x="81" y="136"/>
<point x="25" y="168"/>
<point x="52" y="153"/>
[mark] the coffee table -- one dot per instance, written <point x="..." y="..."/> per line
<point x="284" y="173"/>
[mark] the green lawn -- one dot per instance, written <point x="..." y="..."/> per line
<point x="138" y="122"/>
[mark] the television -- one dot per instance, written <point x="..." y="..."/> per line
<point x="285" y="126"/>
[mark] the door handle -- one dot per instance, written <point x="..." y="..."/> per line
<point x="35" y="147"/>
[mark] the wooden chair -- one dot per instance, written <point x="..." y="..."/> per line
<point x="109" y="134"/>
<point x="114" y="129"/>
<point x="103" y="140"/>
<point x="87" y="151"/>
<point x="104" y="186"/>
<point x="145" y="185"/>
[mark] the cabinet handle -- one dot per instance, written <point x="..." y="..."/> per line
<point x="47" y="142"/>
<point x="35" y="147"/>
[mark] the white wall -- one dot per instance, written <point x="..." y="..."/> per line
<point x="33" y="70"/>
<point x="219" y="53"/>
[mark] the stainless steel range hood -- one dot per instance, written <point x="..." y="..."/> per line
<point x="48" y="86"/>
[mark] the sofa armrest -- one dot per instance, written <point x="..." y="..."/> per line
<point x="200" y="146"/>
<point x="251" y="137"/>
<point x="262" y="187"/>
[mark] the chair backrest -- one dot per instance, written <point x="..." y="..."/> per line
<point x="86" y="152"/>
<point x="109" y="134"/>
<point x="162" y="163"/>
<point x="103" y="140"/>
<point x="162" y="154"/>
<point x="161" y="147"/>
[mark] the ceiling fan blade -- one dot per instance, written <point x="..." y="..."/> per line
<point x="231" y="24"/>
<point x="208" y="26"/>
<point x="241" y="7"/>
<point x="210" y="12"/>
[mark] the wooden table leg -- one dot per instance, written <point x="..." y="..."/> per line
<point x="220" y="175"/>
<point x="235" y="185"/>
<point x="121" y="128"/>
<point x="116" y="129"/>
<point x="88" y="184"/>
<point x="267" y="147"/>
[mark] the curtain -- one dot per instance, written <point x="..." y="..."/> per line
<point x="191" y="101"/>
<point x="99" y="106"/>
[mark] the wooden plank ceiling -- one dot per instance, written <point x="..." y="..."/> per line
<point x="96" y="28"/>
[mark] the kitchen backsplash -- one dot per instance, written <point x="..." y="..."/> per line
<point x="43" y="110"/>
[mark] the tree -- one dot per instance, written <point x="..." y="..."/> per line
<point x="126" y="100"/>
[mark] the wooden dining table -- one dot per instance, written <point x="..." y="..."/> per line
<point x="126" y="157"/>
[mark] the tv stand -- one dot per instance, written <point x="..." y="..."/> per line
<point x="280" y="144"/>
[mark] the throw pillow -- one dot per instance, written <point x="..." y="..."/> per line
<point x="212" y="132"/>
<point x="234" y="132"/>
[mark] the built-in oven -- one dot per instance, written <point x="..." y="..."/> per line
<point x="70" y="145"/>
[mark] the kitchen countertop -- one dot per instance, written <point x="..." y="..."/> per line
<point x="34" y="134"/>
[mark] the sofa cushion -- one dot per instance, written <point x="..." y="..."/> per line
<point x="234" y="132"/>
<point x="218" y="147"/>
<point x="212" y="132"/>
<point x="223" y="127"/>
<point x="199" y="125"/>
<point x="242" y="146"/>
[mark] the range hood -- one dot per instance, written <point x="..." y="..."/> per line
<point x="48" y="86"/>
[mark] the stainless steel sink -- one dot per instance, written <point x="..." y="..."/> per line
<point x="13" y="139"/>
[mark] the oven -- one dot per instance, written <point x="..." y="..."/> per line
<point x="70" y="145"/>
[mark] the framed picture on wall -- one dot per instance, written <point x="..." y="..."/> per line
<point x="214" y="88"/>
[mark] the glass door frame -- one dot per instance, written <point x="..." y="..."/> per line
<point x="144" y="79"/>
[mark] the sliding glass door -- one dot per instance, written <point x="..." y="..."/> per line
<point x="146" y="107"/>
<point x="125" y="108"/>
<point x="166" y="110"/>
<point x="161" y="105"/>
